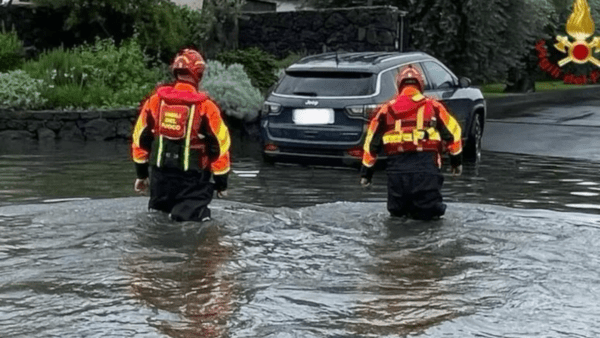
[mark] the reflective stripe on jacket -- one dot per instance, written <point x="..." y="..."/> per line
<point x="412" y="123"/>
<point x="178" y="127"/>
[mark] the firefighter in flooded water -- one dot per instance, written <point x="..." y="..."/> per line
<point x="180" y="134"/>
<point x="414" y="131"/>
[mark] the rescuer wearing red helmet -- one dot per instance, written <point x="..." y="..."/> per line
<point x="180" y="134"/>
<point x="414" y="131"/>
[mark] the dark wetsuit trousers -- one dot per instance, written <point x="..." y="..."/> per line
<point x="185" y="195"/>
<point x="414" y="187"/>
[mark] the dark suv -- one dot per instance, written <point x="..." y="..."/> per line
<point x="321" y="107"/>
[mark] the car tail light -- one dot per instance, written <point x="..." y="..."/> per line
<point x="270" y="108"/>
<point x="271" y="147"/>
<point x="355" y="110"/>
<point x="365" y="112"/>
<point x="370" y="111"/>
<point x="355" y="152"/>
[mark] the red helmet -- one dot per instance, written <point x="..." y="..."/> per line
<point x="190" y="62"/>
<point x="410" y="75"/>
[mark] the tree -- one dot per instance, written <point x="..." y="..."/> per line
<point x="98" y="12"/>
<point x="222" y="33"/>
<point x="161" y="26"/>
<point x="481" y="39"/>
<point x="528" y="21"/>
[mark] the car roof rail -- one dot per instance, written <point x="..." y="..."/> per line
<point x="370" y="57"/>
<point x="386" y="56"/>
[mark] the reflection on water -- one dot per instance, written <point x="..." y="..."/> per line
<point x="407" y="292"/>
<point x="186" y="278"/>
<point x="295" y="252"/>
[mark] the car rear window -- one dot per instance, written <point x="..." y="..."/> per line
<point x="327" y="84"/>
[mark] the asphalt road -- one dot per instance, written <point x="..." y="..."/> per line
<point x="569" y="130"/>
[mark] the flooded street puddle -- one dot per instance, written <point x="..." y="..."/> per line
<point x="292" y="254"/>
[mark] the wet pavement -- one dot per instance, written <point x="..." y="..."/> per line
<point x="302" y="251"/>
<point x="570" y="131"/>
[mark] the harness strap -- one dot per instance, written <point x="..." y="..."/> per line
<point x="160" y="151"/>
<point x="188" y="137"/>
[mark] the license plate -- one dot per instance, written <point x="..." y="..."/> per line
<point x="313" y="116"/>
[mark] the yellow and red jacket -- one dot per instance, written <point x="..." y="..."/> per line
<point x="175" y="128"/>
<point x="412" y="123"/>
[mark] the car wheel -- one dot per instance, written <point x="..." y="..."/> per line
<point x="473" y="146"/>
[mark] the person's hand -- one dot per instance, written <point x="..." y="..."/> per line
<point x="141" y="186"/>
<point x="220" y="185"/>
<point x="366" y="175"/>
<point x="456" y="171"/>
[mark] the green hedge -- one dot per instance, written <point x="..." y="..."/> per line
<point x="103" y="75"/>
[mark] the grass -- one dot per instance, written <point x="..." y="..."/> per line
<point x="497" y="89"/>
<point x="554" y="85"/>
<point x="493" y="88"/>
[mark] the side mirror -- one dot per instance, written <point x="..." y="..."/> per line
<point x="464" y="82"/>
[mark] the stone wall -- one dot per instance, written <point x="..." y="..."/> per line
<point x="72" y="125"/>
<point x="315" y="31"/>
<point x="106" y="125"/>
<point x="306" y="32"/>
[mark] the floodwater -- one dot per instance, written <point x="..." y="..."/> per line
<point x="296" y="252"/>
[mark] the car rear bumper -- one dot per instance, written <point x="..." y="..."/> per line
<point x="352" y="156"/>
<point x="307" y="152"/>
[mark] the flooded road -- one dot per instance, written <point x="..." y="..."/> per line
<point x="296" y="252"/>
<point x="564" y="130"/>
<point x="33" y="173"/>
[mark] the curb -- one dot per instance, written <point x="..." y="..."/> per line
<point x="512" y="105"/>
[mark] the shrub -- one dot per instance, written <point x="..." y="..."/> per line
<point x="67" y="96"/>
<point x="11" y="51"/>
<point x="124" y="69"/>
<point x="260" y="66"/>
<point x="101" y="75"/>
<point x="57" y="67"/>
<point x="230" y="86"/>
<point x="19" y="90"/>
